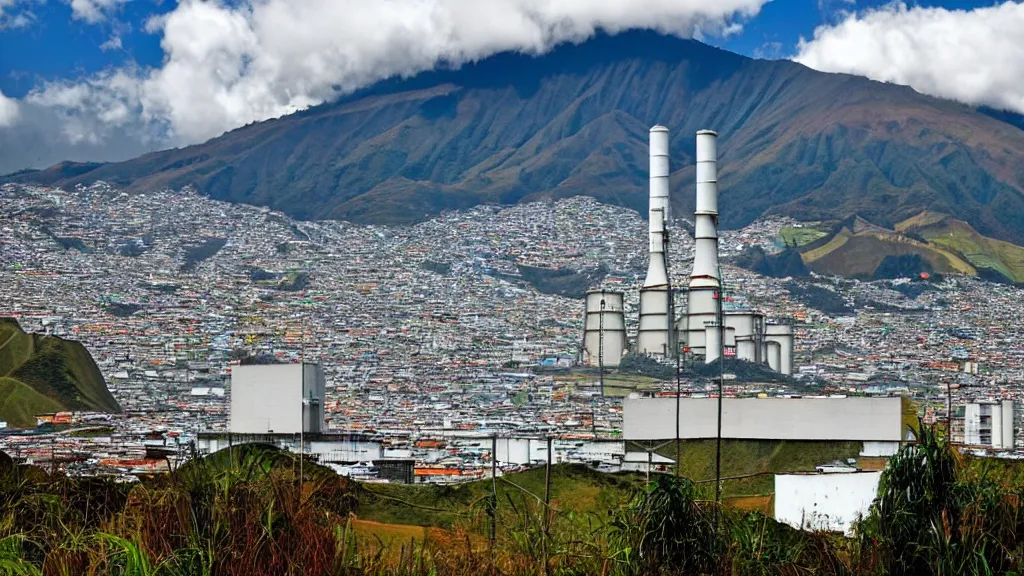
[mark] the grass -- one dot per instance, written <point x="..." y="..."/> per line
<point x="834" y="244"/>
<point x="615" y="384"/>
<point x="575" y="490"/>
<point x="794" y="237"/>
<point x="19" y="403"/>
<point x="249" y="513"/>
<point x="756" y="461"/>
<point x="959" y="237"/>
<point x="44" y="374"/>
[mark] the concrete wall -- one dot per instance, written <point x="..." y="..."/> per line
<point x="313" y="390"/>
<point x="1006" y="425"/>
<point x="266" y="398"/>
<point x="327" y="451"/>
<point x="856" y="419"/>
<point x="877" y="449"/>
<point x="534" y="450"/>
<point x="824" y="501"/>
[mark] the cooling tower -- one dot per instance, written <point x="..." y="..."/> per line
<point x="604" y="330"/>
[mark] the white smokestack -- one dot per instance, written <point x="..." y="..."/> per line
<point x="658" y="215"/>
<point x="654" y="328"/>
<point x="659" y="170"/>
<point x="705" y="259"/>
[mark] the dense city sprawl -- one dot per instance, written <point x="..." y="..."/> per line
<point x="469" y="321"/>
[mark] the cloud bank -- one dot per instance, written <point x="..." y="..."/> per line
<point x="974" y="56"/>
<point x="228" y="65"/>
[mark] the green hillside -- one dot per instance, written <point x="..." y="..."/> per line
<point x="574" y="488"/>
<point x="956" y="236"/>
<point x="750" y="465"/>
<point x="43" y="374"/>
<point x="929" y="242"/>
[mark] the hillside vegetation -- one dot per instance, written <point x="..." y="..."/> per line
<point x="516" y="127"/>
<point x="928" y="243"/>
<point x="45" y="374"/>
<point x="260" y="512"/>
<point x="958" y="237"/>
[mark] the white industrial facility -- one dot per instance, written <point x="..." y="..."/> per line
<point x="709" y="325"/>
<point x="878" y="422"/>
<point x="277" y="399"/>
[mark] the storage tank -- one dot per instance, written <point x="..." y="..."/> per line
<point x="713" y="342"/>
<point x="745" y="350"/>
<point x="783" y="334"/>
<point x="774" y="354"/>
<point x="605" y="322"/>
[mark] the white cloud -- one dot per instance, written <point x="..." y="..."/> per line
<point x="14" y="14"/>
<point x="228" y="65"/>
<point x="94" y="11"/>
<point x="113" y="43"/>
<point x="8" y="110"/>
<point x="974" y="56"/>
<point x="768" y="51"/>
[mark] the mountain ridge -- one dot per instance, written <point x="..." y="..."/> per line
<point x="515" y="127"/>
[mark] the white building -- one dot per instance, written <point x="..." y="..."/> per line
<point x="989" y="423"/>
<point x="878" y="421"/>
<point x="832" y="502"/>
<point x="277" y="399"/>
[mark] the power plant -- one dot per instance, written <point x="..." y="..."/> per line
<point x="710" y="324"/>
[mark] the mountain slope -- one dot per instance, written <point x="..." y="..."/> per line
<point x="41" y="374"/>
<point x="514" y="127"/>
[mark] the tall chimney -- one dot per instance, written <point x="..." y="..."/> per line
<point x="658" y="211"/>
<point x="705" y="260"/>
<point x="655" y="323"/>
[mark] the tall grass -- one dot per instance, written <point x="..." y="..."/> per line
<point x="252" y="514"/>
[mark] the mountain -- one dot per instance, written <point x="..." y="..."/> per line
<point x="45" y="374"/>
<point x="515" y="127"/>
<point x="928" y="243"/>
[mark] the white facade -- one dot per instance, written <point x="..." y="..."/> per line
<point x="832" y="502"/>
<point x="277" y="399"/>
<point x="853" y="419"/>
<point x="523" y="451"/>
<point x="343" y="450"/>
<point x="989" y="424"/>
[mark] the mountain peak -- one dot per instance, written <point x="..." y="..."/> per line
<point x="518" y="127"/>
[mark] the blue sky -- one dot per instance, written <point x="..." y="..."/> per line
<point x="107" y="79"/>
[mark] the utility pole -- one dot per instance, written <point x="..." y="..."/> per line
<point x="673" y="334"/>
<point x="721" y="379"/>
<point x="547" y="511"/>
<point x="494" y="496"/>
<point x="494" y="487"/>
<point x="600" y="344"/>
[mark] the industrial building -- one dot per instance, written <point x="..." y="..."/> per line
<point x="710" y="325"/>
<point x="277" y="399"/>
<point x="878" y="422"/>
